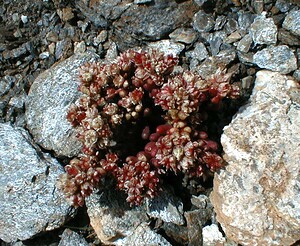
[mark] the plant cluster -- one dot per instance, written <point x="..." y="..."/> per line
<point x="138" y="120"/>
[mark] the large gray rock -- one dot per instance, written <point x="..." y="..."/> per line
<point x="101" y="12"/>
<point x="151" y="22"/>
<point x="276" y="58"/>
<point x="30" y="202"/>
<point x="256" y="197"/>
<point x="48" y="101"/>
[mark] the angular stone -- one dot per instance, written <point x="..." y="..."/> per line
<point x="194" y="226"/>
<point x="112" y="218"/>
<point x="203" y="22"/>
<point x="6" y="84"/>
<point x="167" y="47"/>
<point x="276" y="58"/>
<point x="292" y="22"/>
<point x="199" y="52"/>
<point x="30" y="202"/>
<point x="283" y="5"/>
<point x="71" y="238"/>
<point x="212" y="236"/>
<point x="213" y="63"/>
<point x="245" y="19"/>
<point x="49" y="99"/>
<point x="288" y="38"/>
<point x="143" y="235"/>
<point x="256" y="196"/>
<point x="100" y="12"/>
<point x="184" y="35"/>
<point x="166" y="207"/>
<point x="245" y="43"/>
<point x="263" y="30"/>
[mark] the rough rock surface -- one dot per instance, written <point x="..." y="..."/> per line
<point x="143" y="235"/>
<point x="71" y="238"/>
<point x="153" y="22"/>
<point x="256" y="197"/>
<point x="263" y="30"/>
<point x="276" y="58"/>
<point x="167" y="207"/>
<point x="292" y="22"/>
<point x="48" y="100"/>
<point x="30" y="202"/>
<point x="112" y="218"/>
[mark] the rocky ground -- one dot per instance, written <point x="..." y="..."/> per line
<point x="253" y="201"/>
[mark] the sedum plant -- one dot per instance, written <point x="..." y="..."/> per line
<point x="138" y="120"/>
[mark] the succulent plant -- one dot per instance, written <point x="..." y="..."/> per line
<point x="139" y="120"/>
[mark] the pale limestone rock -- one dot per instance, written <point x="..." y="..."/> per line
<point x="256" y="197"/>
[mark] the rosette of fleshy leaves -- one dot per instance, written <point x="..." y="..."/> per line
<point x="123" y="93"/>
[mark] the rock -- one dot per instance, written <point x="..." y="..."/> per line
<point x="79" y="47"/>
<point x="44" y="55"/>
<point x="258" y="6"/>
<point x="15" y="53"/>
<point x="143" y="235"/>
<point x="199" y="52"/>
<point x="231" y="26"/>
<point x="292" y="22"/>
<point x="184" y="35"/>
<point x="112" y="218"/>
<point x="296" y="75"/>
<point x="101" y="37"/>
<point x="213" y="63"/>
<point x="256" y="196"/>
<point x="200" y="2"/>
<point x="220" y="22"/>
<point x="65" y="14"/>
<point x="263" y="30"/>
<point x="100" y="13"/>
<point x="47" y="104"/>
<point x="212" y="236"/>
<point x="245" y="43"/>
<point x="24" y="19"/>
<point x="6" y="83"/>
<point x="233" y="37"/>
<point x="71" y="238"/>
<point x="142" y="1"/>
<point x="203" y="22"/>
<point x="62" y="48"/>
<point x="167" y="46"/>
<point x="246" y="58"/>
<point x="194" y="226"/>
<point x="283" y="5"/>
<point x="30" y="202"/>
<point x="245" y="19"/>
<point x="276" y="58"/>
<point x="151" y="22"/>
<point x="176" y="232"/>
<point x="288" y="38"/>
<point x="202" y="202"/>
<point x="166" y="207"/>
<point x="215" y="40"/>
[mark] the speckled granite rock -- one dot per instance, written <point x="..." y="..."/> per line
<point x="30" y="202"/>
<point x="48" y="100"/>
